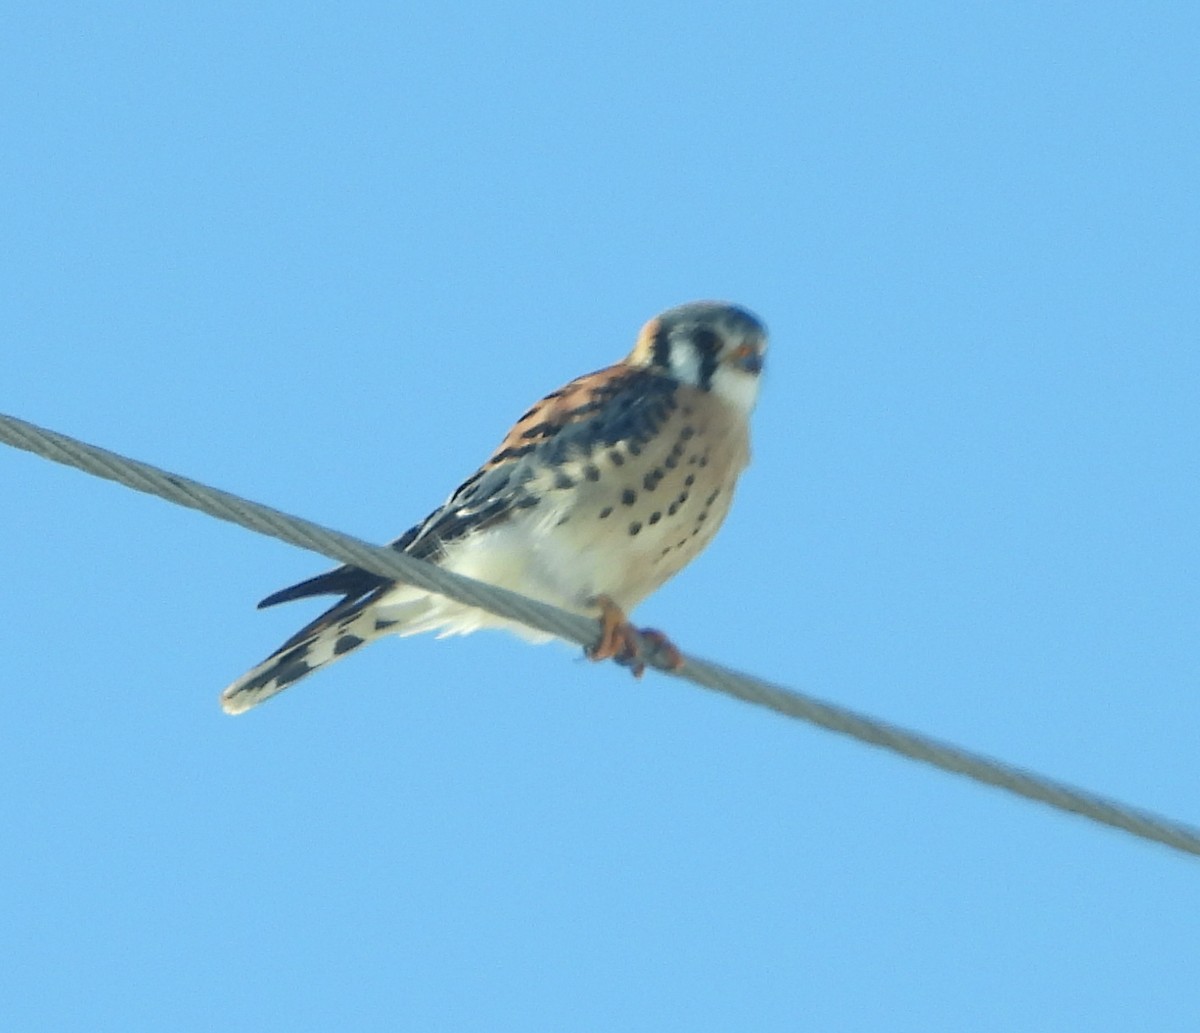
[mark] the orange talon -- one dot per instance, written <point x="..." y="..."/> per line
<point x="619" y="641"/>
<point x="616" y="641"/>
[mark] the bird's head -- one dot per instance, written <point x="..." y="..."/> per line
<point x="709" y="345"/>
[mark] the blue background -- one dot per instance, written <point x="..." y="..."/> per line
<point x="323" y="255"/>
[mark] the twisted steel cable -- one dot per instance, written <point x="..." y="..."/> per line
<point x="574" y="628"/>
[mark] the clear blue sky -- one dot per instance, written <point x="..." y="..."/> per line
<point x="324" y="255"/>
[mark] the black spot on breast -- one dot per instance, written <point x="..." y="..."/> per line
<point x="635" y="448"/>
<point x="616" y="458"/>
<point x="712" y="496"/>
<point x="383" y="625"/>
<point x="635" y="527"/>
<point x="562" y="480"/>
<point x="628" y="497"/>
<point x="690" y="479"/>
<point x="650" y="481"/>
<point x="687" y="410"/>
<point x="687" y="433"/>
<point x="672" y="509"/>
<point x="671" y="461"/>
<point x="683" y="497"/>
<point x="704" y="459"/>
<point x="528" y="502"/>
<point x="655" y="517"/>
<point x="591" y="472"/>
<point x="346" y="643"/>
<point x="606" y="512"/>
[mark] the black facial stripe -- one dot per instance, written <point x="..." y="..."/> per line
<point x="660" y="349"/>
<point x="708" y="344"/>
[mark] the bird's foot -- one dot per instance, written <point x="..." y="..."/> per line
<point x="619" y="641"/>
<point x="662" y="648"/>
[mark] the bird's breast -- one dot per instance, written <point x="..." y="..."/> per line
<point x="621" y="519"/>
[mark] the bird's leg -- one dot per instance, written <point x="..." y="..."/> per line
<point x="619" y="640"/>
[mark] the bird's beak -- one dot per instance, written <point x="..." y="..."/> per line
<point x="751" y="362"/>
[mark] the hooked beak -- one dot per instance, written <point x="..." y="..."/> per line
<point x="752" y="362"/>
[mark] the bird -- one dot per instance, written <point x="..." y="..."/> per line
<point x="599" y="494"/>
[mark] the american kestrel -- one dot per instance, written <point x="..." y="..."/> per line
<point x="600" y="493"/>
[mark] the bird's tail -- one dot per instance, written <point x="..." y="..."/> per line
<point x="369" y="611"/>
<point x="321" y="643"/>
<point x="339" y="631"/>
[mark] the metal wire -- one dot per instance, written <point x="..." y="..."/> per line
<point x="574" y="628"/>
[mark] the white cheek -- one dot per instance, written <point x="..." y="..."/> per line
<point x="736" y="387"/>
<point x="685" y="363"/>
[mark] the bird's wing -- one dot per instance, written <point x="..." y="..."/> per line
<point x="595" y="411"/>
<point x="619" y="404"/>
